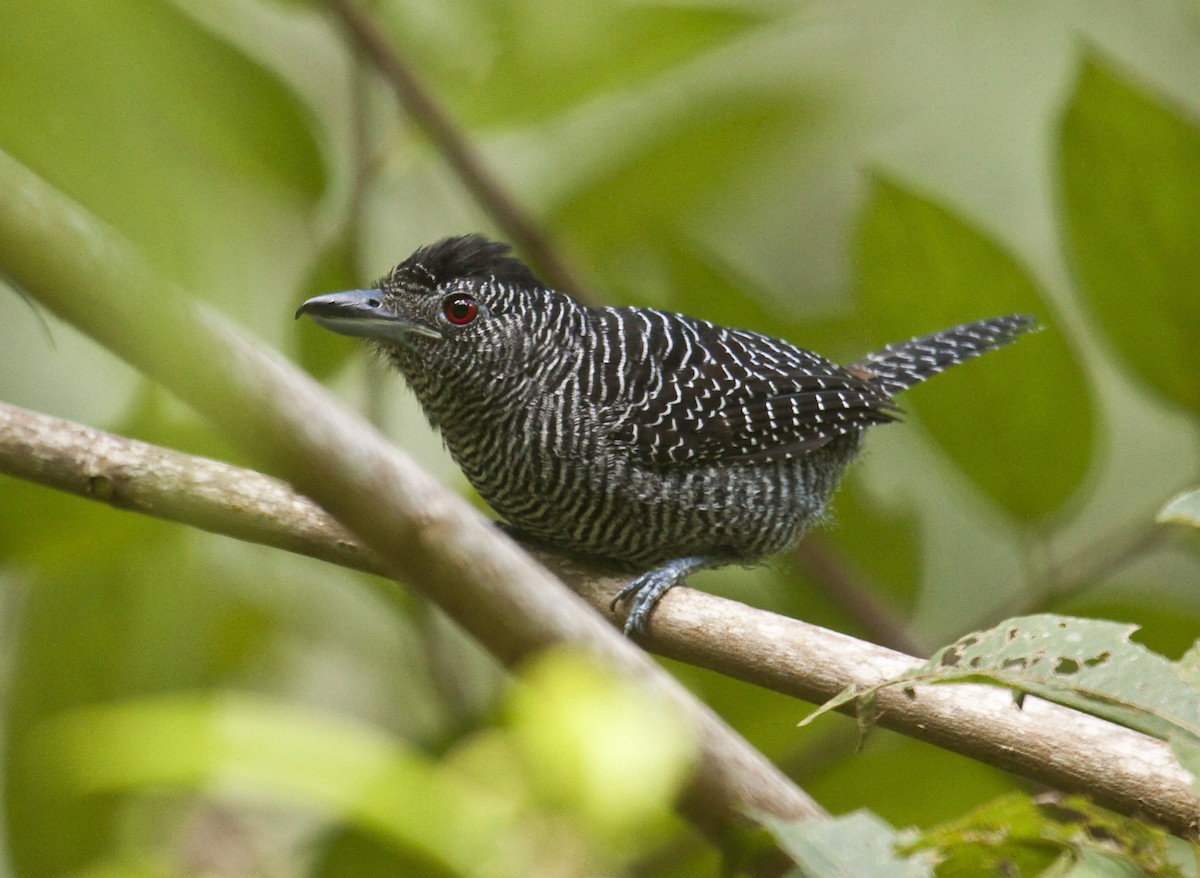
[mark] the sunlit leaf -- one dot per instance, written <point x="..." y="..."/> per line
<point x="1184" y="509"/>
<point x="279" y="753"/>
<point x="599" y="745"/>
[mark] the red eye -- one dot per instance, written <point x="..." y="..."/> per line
<point x="460" y="309"/>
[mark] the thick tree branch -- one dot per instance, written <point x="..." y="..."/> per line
<point x="1068" y="750"/>
<point x="423" y="534"/>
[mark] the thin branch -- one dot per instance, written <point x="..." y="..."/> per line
<point x="423" y="534"/>
<point x="418" y="101"/>
<point x="162" y="483"/>
<point x="1088" y="568"/>
<point x="830" y="573"/>
<point x="1104" y="558"/>
<point x="1068" y="750"/>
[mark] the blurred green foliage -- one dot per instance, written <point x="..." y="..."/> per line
<point x="840" y="173"/>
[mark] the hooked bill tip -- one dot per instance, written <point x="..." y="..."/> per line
<point x="341" y="303"/>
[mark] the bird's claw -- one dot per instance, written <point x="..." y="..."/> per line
<point x="628" y="589"/>
<point x="647" y="590"/>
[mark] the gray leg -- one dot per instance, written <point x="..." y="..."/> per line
<point x="648" y="588"/>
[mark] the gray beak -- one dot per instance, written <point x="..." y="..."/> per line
<point x="362" y="314"/>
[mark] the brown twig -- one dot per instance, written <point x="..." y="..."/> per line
<point x="1063" y="748"/>
<point x="1086" y="569"/>
<point x="508" y="214"/>
<point x="832" y="576"/>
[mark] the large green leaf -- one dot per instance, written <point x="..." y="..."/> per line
<point x="1130" y="169"/>
<point x="846" y="847"/>
<point x="648" y="192"/>
<point x="183" y="143"/>
<point x="1020" y="421"/>
<point x="635" y="217"/>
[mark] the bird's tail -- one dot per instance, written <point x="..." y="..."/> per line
<point x="899" y="366"/>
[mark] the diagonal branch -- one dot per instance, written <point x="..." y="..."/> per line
<point x="1058" y="746"/>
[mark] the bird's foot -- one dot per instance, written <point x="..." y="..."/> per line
<point x="647" y="590"/>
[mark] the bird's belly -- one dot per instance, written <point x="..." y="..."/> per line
<point x="608" y="507"/>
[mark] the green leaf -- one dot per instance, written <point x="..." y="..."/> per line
<point x="1130" y="167"/>
<point x="165" y="131"/>
<point x="1184" y="509"/>
<point x="1070" y="835"/>
<point x="1188" y="666"/>
<point x="1088" y="664"/>
<point x="850" y="693"/>
<point x="599" y="745"/>
<point x="634" y="214"/>
<point x="1020" y="421"/>
<point x="846" y="847"/>
<point x="1187" y="751"/>
<point x="1008" y="833"/>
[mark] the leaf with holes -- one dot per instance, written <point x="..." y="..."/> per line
<point x="1016" y="834"/>
<point x="1087" y="664"/>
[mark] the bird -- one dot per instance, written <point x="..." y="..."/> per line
<point x="644" y="441"/>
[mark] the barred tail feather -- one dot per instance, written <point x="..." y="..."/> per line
<point x="899" y="366"/>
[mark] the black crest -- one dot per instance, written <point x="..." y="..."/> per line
<point x="465" y="256"/>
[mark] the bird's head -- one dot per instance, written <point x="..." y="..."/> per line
<point x="453" y="302"/>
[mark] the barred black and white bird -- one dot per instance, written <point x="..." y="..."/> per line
<point x="639" y="438"/>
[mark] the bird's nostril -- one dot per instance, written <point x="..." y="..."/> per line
<point x="374" y="303"/>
